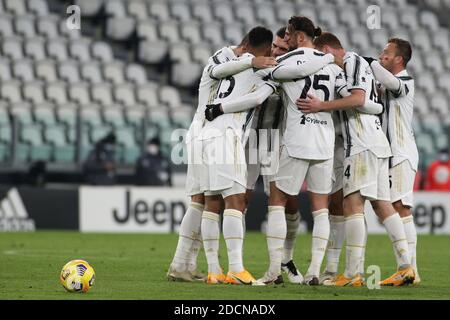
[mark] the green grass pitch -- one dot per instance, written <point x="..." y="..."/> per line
<point x="133" y="266"/>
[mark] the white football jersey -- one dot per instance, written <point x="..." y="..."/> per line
<point x="397" y="121"/>
<point x="309" y="136"/>
<point x="229" y="89"/>
<point x="207" y="90"/>
<point x="362" y="131"/>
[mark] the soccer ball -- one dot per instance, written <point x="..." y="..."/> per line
<point x="77" y="276"/>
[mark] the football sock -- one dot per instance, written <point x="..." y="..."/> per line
<point x="320" y="236"/>
<point x="234" y="238"/>
<point x="354" y="233"/>
<point x="396" y="231"/>
<point x="196" y="244"/>
<point x="188" y="235"/>
<point x="337" y="237"/>
<point x="276" y="235"/>
<point x="411" y="236"/>
<point x="210" y="236"/>
<point x="292" y="223"/>
<point x="363" y="252"/>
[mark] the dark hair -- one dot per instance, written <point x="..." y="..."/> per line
<point x="244" y="41"/>
<point x="404" y="49"/>
<point x="304" y="24"/>
<point x="259" y="36"/>
<point x="327" y="39"/>
<point x="281" y="32"/>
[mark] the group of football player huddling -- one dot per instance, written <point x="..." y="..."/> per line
<point x="298" y="107"/>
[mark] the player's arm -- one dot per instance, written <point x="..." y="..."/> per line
<point x="386" y="78"/>
<point x="240" y="104"/>
<point x="286" y="72"/>
<point x="229" y="68"/>
<point x="369" y="107"/>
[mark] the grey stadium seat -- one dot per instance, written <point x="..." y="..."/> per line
<point x="181" y="11"/>
<point x="69" y="71"/>
<point x="6" y="25"/>
<point x="102" y="51"/>
<point x="92" y="72"/>
<point x="34" y="92"/>
<point x="90" y="8"/>
<point x="138" y="9"/>
<point x="17" y="7"/>
<point x="170" y="96"/>
<point x="266" y="14"/>
<point x="191" y="32"/>
<point x="169" y="31"/>
<point x="46" y="70"/>
<point x="38" y="7"/>
<point x="233" y="33"/>
<point x="25" y="26"/>
<point x="179" y="52"/>
<point x="201" y="53"/>
<point x="102" y="94"/>
<point x="35" y="48"/>
<point x="224" y="12"/>
<point x="24" y="70"/>
<point x="429" y="20"/>
<point x="349" y="17"/>
<point x="159" y="10"/>
<point x="147" y="29"/>
<point x="5" y="70"/>
<point x="12" y="48"/>
<point x="11" y="91"/>
<point x="440" y="104"/>
<point x="57" y="93"/>
<point x="48" y="26"/>
<point x="202" y="11"/>
<point x="136" y="73"/>
<point x="186" y="74"/>
<point x="409" y="18"/>
<point x="57" y="49"/>
<point x="147" y="95"/>
<point x="125" y="94"/>
<point x="114" y="72"/>
<point x="79" y="93"/>
<point x="80" y="50"/>
<point x="213" y="33"/>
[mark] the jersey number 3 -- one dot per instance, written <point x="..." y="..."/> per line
<point x="225" y="94"/>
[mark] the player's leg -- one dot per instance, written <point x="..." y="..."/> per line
<point x="337" y="236"/>
<point x="292" y="222"/>
<point x="210" y="230"/>
<point x="392" y="223"/>
<point x="319" y="180"/>
<point x="402" y="186"/>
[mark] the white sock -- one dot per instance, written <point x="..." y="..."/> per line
<point x="276" y="236"/>
<point x="355" y="233"/>
<point x="363" y="252"/>
<point x="188" y="235"/>
<point x="320" y="236"/>
<point x="337" y="237"/>
<point x="198" y="243"/>
<point x="292" y="223"/>
<point x="234" y="238"/>
<point x="210" y="237"/>
<point x="411" y="236"/>
<point x="396" y="231"/>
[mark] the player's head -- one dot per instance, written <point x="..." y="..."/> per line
<point x="279" y="46"/>
<point x="242" y="47"/>
<point x="328" y="43"/>
<point x="300" y="32"/>
<point x="259" y="41"/>
<point x="396" y="55"/>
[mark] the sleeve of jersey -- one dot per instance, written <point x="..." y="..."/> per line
<point x="387" y="79"/>
<point x="369" y="106"/>
<point x="354" y="73"/>
<point x="250" y="100"/>
<point x="286" y="71"/>
<point x="229" y="68"/>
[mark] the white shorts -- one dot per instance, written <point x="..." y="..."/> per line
<point x="338" y="169"/>
<point x="402" y="178"/>
<point x="293" y="172"/>
<point x="368" y="174"/>
<point x="223" y="165"/>
<point x="194" y="168"/>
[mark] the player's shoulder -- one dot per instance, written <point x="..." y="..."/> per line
<point x="223" y="55"/>
<point x="404" y="76"/>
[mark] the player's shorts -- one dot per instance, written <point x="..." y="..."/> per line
<point x="338" y="179"/>
<point x="368" y="174"/>
<point x="402" y="178"/>
<point x="194" y="168"/>
<point x="224" y="169"/>
<point x="292" y="173"/>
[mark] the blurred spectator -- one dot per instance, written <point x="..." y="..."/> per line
<point x="100" y="165"/>
<point x="37" y="173"/>
<point x="152" y="168"/>
<point x="438" y="173"/>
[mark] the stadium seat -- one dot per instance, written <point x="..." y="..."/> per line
<point x="179" y="52"/>
<point x="23" y="70"/>
<point x="130" y="150"/>
<point x="201" y="53"/>
<point x="213" y="33"/>
<point x="102" y="93"/>
<point x="48" y="26"/>
<point x="35" y="48"/>
<point x="32" y="135"/>
<point x="147" y="30"/>
<point x="102" y="51"/>
<point x="67" y="115"/>
<point x="136" y="73"/>
<point x="147" y="95"/>
<point x="22" y="113"/>
<point x="5" y="70"/>
<point x="169" y="31"/>
<point x="159" y="10"/>
<point x="91" y="115"/>
<point x="433" y="61"/>
<point x="181" y="11"/>
<point x="80" y="50"/>
<point x="57" y="49"/>
<point x="233" y="33"/>
<point x="202" y="11"/>
<point x="45" y="115"/>
<point x="223" y="12"/>
<point x="429" y="20"/>
<point x="182" y="117"/>
<point x="389" y="20"/>
<point x="159" y="118"/>
<point x="186" y="74"/>
<point x="125" y="94"/>
<point x="444" y="83"/>
<point x="79" y="93"/>
<point x="62" y="152"/>
<point x="34" y="92"/>
<point x="440" y="104"/>
<point x="90" y="8"/>
<point x="57" y="93"/>
<point x="409" y="19"/>
<point x="16" y="7"/>
<point x="12" y="48"/>
<point x="284" y="12"/>
<point x="441" y="40"/>
<point x="114" y="117"/>
<point x="38" y="7"/>
<point x="119" y="26"/>
<point x="349" y="17"/>
<point x="46" y="70"/>
<point x="69" y="71"/>
<point x="135" y="116"/>
<point x="138" y="9"/>
<point x="422" y="40"/>
<point x="191" y="32"/>
<point x="170" y="96"/>
<point x="6" y="25"/>
<point x="11" y="91"/>
<point x="426" y="83"/>
<point x="25" y="26"/>
<point x="92" y="72"/>
<point x="114" y="72"/>
<point x="328" y="17"/>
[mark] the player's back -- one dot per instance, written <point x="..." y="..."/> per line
<point x="309" y="136"/>
<point x="229" y="89"/>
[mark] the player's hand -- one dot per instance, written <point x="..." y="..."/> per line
<point x="263" y="62"/>
<point x="213" y="111"/>
<point x="310" y="105"/>
<point x="369" y="60"/>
